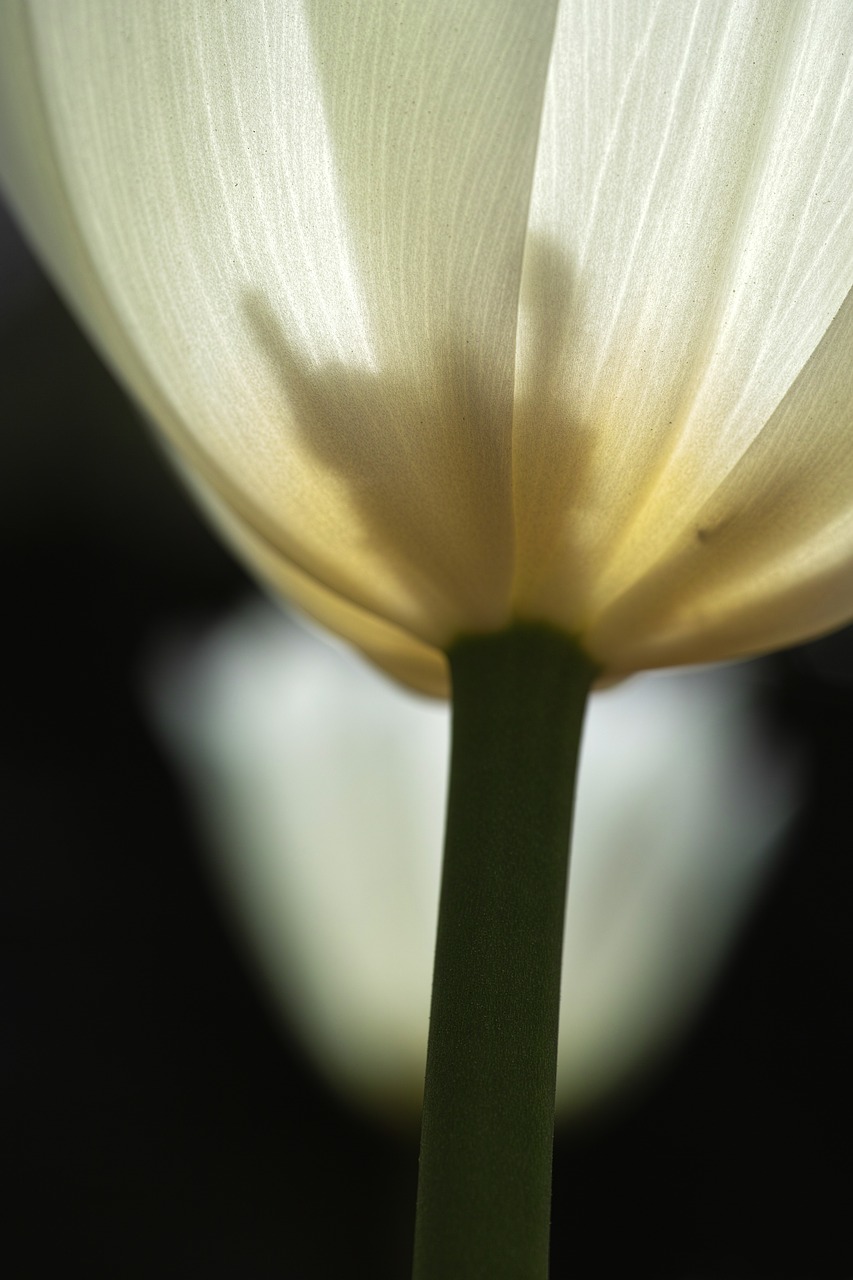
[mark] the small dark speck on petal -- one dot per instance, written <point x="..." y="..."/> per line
<point x="704" y="533"/>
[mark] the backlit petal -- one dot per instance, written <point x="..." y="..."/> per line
<point x="307" y="221"/>
<point x="397" y="652"/>
<point x="691" y="240"/>
<point x="769" y="555"/>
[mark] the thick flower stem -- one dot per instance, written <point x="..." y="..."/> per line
<point x="484" y="1191"/>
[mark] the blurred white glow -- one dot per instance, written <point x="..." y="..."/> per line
<point x="321" y="787"/>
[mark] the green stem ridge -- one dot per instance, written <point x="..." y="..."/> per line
<point x="484" y="1190"/>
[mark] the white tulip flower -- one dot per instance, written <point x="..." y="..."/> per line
<point x="320" y="789"/>
<point x="466" y="313"/>
<point x="512" y="342"/>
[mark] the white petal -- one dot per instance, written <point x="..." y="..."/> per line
<point x="322" y="788"/>
<point x="308" y="222"/>
<point x="398" y="653"/>
<point x="768" y="559"/>
<point x="691" y="241"/>
<point x="34" y="184"/>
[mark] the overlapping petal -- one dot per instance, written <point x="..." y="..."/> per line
<point x="691" y="241"/>
<point x="397" y="652"/>
<point x="305" y="224"/>
<point x="461" y="315"/>
<point x="768" y="557"/>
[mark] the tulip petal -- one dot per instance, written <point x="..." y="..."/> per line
<point x="394" y="651"/>
<point x="34" y="184"/>
<point x="768" y="559"/>
<point x="691" y="240"/>
<point x="309" y="220"/>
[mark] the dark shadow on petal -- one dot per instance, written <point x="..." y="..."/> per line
<point x="552" y="445"/>
<point x="420" y="455"/>
<point x="426" y="453"/>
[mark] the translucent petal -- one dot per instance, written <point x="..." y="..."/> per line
<point x="305" y="224"/>
<point x="395" y="651"/>
<point x="767" y="560"/>
<point x="34" y="185"/>
<point x="691" y="240"/>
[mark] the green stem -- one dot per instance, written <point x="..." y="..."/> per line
<point x="484" y="1191"/>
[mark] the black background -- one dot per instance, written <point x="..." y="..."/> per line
<point x="155" y="1122"/>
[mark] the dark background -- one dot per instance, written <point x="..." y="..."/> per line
<point x="155" y="1122"/>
